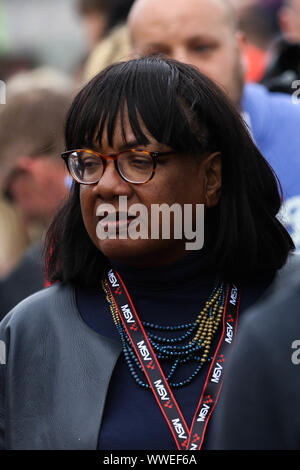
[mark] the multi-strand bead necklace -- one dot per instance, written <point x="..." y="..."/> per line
<point x="192" y="345"/>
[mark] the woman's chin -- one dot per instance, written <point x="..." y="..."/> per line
<point x="141" y="252"/>
<point x="119" y="249"/>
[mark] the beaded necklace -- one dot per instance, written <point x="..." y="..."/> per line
<point x="193" y="345"/>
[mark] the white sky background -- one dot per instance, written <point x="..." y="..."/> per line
<point x="50" y="29"/>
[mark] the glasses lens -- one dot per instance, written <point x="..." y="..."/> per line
<point x="135" y="166"/>
<point x="85" y="167"/>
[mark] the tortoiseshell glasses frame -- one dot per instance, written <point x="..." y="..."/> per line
<point x="124" y="161"/>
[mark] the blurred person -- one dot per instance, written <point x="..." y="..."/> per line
<point x="13" y="64"/>
<point x="138" y="130"/>
<point x="116" y="46"/>
<point x="258" y="20"/>
<point x="206" y="35"/>
<point x="289" y="19"/>
<point x="23" y="280"/>
<point x="283" y="68"/>
<point x="101" y="16"/>
<point x="13" y="238"/>
<point x="43" y="77"/>
<point x="31" y="135"/>
<point x="95" y="19"/>
<point x="259" y="407"/>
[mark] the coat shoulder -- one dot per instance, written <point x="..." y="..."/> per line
<point x="36" y="307"/>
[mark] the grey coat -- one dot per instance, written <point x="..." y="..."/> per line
<point x="55" y="372"/>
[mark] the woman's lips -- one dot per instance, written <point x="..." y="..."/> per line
<point x="115" y="221"/>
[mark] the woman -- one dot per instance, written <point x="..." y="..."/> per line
<point x="127" y="349"/>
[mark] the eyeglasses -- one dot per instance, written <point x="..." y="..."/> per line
<point x="133" y="165"/>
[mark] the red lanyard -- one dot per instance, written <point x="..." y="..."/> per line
<point x="185" y="438"/>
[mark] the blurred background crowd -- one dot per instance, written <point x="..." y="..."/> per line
<point x="48" y="50"/>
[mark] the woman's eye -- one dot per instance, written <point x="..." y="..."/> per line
<point x="141" y="162"/>
<point x="90" y="163"/>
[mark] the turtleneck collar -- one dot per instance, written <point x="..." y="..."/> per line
<point x="190" y="269"/>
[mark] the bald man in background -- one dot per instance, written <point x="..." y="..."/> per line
<point x="204" y="33"/>
<point x="198" y="32"/>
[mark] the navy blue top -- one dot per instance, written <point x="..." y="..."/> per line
<point x="168" y="295"/>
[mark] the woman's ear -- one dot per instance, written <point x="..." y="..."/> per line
<point x="212" y="167"/>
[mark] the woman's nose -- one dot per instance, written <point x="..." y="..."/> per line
<point x="111" y="183"/>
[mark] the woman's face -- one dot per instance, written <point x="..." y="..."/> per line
<point x="179" y="179"/>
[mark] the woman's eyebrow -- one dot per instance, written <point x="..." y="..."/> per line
<point x="135" y="144"/>
<point x="132" y="144"/>
<point x="125" y="146"/>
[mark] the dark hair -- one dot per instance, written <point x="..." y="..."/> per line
<point x="115" y="10"/>
<point x="185" y="110"/>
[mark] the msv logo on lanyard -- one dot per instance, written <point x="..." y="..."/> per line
<point x="185" y="438"/>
